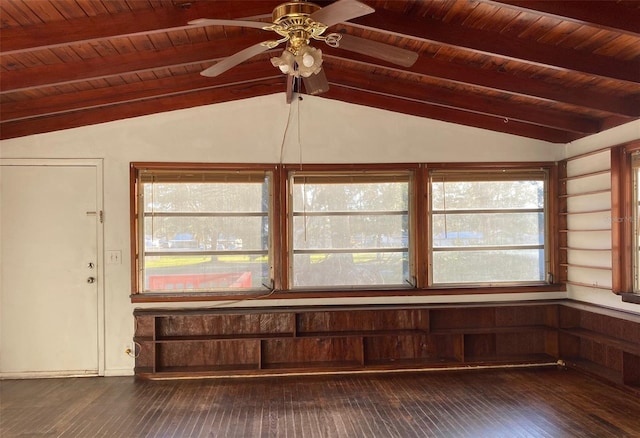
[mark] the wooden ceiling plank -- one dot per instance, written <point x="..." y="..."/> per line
<point x="93" y="8"/>
<point x="66" y="54"/>
<point x="144" y="107"/>
<point x="610" y="15"/>
<point x="496" y="107"/>
<point x="38" y="76"/>
<point x="70" y="9"/>
<point x="484" y="41"/>
<point x="505" y="82"/>
<point x="53" y="34"/>
<point x="16" y="12"/>
<point x="46" y="11"/>
<point x="10" y="62"/>
<point x="421" y="109"/>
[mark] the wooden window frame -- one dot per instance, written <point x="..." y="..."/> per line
<point x="622" y="223"/>
<point x="419" y="224"/>
<point x="323" y="175"/>
<point x="482" y="174"/>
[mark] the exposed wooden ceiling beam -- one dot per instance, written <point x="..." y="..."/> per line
<point x="421" y="109"/>
<point x="504" y="82"/>
<point x="93" y="116"/>
<point x="610" y="15"/>
<point x="441" y="96"/>
<point x="485" y="41"/>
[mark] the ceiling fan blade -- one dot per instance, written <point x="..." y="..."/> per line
<point x="235" y="59"/>
<point x="316" y="84"/>
<point x="386" y="52"/>
<point x="341" y="11"/>
<point x="240" y="23"/>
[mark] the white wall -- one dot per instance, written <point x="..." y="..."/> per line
<point x="253" y="131"/>
<point x="600" y="161"/>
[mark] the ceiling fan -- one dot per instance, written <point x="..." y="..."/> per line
<point x="297" y="23"/>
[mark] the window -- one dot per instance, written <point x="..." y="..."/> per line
<point x="236" y="231"/>
<point x="350" y="229"/>
<point x="635" y="166"/>
<point x="625" y="221"/>
<point x="203" y="230"/>
<point x="488" y="227"/>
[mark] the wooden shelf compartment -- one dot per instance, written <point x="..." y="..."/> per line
<point x="518" y="346"/>
<point x="200" y="356"/>
<point x="631" y="370"/>
<point x="224" y="325"/>
<point x="535" y="315"/>
<point x="480" y="347"/>
<point x="413" y="350"/>
<point x="321" y="352"/>
<point x="145" y="326"/>
<point x="228" y="337"/>
<point x="581" y="350"/>
<point x="209" y="370"/>
<point x="363" y="333"/>
<point x="462" y="318"/>
<point x="609" y="341"/>
<point x="528" y="359"/>
<point x="217" y="342"/>
<point x="352" y="322"/>
<point x="606" y="326"/>
<point x="145" y="356"/>
<point x="312" y="367"/>
<point x="527" y="344"/>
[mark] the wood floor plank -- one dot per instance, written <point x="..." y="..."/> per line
<point x="536" y="402"/>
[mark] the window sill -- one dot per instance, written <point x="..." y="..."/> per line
<point x="360" y="293"/>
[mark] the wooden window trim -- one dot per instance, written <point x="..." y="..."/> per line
<point x="280" y="232"/>
<point x="621" y="210"/>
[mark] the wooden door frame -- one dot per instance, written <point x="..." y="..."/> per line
<point x="98" y="164"/>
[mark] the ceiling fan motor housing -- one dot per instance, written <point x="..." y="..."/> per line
<point x="293" y="10"/>
<point x="291" y="20"/>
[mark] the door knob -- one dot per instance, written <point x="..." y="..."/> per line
<point x="91" y="280"/>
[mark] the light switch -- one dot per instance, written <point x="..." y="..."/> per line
<point x="114" y="257"/>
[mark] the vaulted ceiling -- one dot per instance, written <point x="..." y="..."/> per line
<point x="549" y="70"/>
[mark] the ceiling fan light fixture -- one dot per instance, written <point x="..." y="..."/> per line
<point x="286" y="63"/>
<point x="309" y="61"/>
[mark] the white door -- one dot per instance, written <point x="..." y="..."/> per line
<point x="49" y="288"/>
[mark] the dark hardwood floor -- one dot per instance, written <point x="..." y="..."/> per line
<point x="531" y="402"/>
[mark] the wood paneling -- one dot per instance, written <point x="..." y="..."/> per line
<point x="232" y="342"/>
<point x="553" y="71"/>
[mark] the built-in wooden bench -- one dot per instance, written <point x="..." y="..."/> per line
<point x="173" y="343"/>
